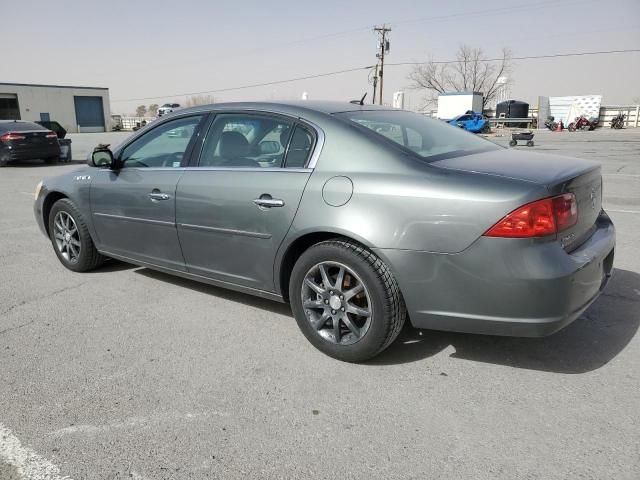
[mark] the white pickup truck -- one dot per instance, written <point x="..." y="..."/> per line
<point x="168" y="108"/>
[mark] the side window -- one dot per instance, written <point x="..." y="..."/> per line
<point x="414" y="140"/>
<point x="299" y="148"/>
<point x="245" y="141"/>
<point x="164" y="146"/>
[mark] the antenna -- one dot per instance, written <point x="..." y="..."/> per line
<point x="361" y="101"/>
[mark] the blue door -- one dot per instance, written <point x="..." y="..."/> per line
<point x="89" y="114"/>
<point x="44" y="117"/>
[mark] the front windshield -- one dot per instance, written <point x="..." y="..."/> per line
<point x="429" y="138"/>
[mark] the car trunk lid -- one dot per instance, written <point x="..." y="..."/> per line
<point x="526" y="166"/>
<point x="558" y="174"/>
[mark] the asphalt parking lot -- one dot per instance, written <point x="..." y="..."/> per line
<point x="129" y="373"/>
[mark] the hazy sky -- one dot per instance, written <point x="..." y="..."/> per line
<point x="162" y="48"/>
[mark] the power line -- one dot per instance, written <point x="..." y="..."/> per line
<point x="355" y="69"/>
<point x="254" y="85"/>
<point x="529" y="57"/>
<point x="499" y="10"/>
<point x="432" y="19"/>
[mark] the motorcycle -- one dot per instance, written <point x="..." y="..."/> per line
<point x="583" y="123"/>
<point x="551" y="124"/>
<point x="618" y="121"/>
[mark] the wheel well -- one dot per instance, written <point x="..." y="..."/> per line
<point x="50" y="199"/>
<point x="297" y="248"/>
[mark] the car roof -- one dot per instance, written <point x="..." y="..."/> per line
<point x="295" y="107"/>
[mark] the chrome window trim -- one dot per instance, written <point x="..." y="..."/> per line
<point x="223" y="169"/>
<point x="145" y="169"/>
<point x="248" y="169"/>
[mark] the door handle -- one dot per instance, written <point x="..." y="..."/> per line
<point x="159" y="196"/>
<point x="265" y="201"/>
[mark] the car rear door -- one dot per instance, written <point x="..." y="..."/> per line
<point x="234" y="207"/>
<point x="133" y="206"/>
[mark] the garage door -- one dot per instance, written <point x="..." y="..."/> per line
<point x="9" y="107"/>
<point x="89" y="114"/>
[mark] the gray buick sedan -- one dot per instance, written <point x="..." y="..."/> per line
<point x="359" y="216"/>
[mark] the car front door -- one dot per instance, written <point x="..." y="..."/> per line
<point x="234" y="208"/>
<point x="133" y="206"/>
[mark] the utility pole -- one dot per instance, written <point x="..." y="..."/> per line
<point x="383" y="46"/>
<point x="375" y="84"/>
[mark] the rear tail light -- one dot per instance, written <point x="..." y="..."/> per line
<point x="51" y="135"/>
<point x="538" y="219"/>
<point x="7" y="137"/>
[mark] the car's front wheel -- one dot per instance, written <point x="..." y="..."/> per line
<point x="346" y="300"/>
<point x="71" y="239"/>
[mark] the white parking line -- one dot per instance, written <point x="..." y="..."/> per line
<point x="622" y="211"/>
<point x="29" y="464"/>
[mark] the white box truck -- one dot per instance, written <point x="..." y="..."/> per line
<point x="452" y="104"/>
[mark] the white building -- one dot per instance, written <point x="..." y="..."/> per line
<point x="77" y="109"/>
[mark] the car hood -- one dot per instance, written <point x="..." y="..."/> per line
<point x="528" y="166"/>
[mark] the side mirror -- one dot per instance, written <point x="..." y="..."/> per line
<point x="102" y="159"/>
<point x="269" y="147"/>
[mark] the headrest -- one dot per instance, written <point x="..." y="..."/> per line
<point x="233" y="144"/>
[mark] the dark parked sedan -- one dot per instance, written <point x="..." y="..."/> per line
<point x="359" y="216"/>
<point x="21" y="140"/>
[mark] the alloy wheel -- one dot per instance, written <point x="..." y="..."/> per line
<point x="336" y="303"/>
<point x="67" y="236"/>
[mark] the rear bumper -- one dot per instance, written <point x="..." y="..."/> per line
<point x="39" y="152"/>
<point x="514" y="287"/>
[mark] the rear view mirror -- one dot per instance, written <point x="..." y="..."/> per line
<point x="269" y="147"/>
<point x="102" y="158"/>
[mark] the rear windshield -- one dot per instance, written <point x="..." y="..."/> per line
<point x="430" y="139"/>
<point x="19" y="126"/>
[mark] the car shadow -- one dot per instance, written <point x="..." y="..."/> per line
<point x="238" y="297"/>
<point x="587" y="344"/>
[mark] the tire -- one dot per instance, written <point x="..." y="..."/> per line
<point x="530" y="143"/>
<point x="572" y="127"/>
<point x="79" y="255"/>
<point x="51" y="160"/>
<point x="380" y="296"/>
<point x="513" y="143"/>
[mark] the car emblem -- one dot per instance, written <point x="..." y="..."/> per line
<point x="592" y="196"/>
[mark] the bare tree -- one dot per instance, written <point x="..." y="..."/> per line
<point x="472" y="71"/>
<point x="141" y="111"/>
<point x="152" y="110"/>
<point x="200" y="100"/>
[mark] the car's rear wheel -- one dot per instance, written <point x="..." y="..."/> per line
<point x="51" y="160"/>
<point x="346" y="300"/>
<point x="71" y="239"/>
